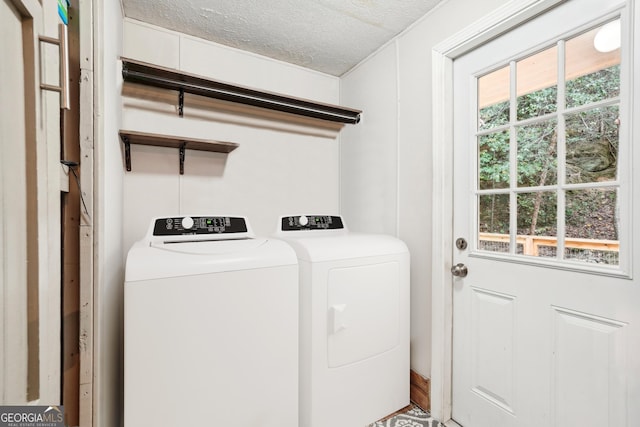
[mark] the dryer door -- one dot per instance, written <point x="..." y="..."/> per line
<point x="363" y="311"/>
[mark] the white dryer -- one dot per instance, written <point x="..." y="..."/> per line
<point x="354" y="322"/>
<point x="210" y="326"/>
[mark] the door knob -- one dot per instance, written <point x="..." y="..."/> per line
<point x="459" y="270"/>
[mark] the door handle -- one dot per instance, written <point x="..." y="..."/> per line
<point x="336" y="318"/>
<point x="459" y="270"/>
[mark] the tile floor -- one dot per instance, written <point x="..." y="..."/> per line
<point x="414" y="416"/>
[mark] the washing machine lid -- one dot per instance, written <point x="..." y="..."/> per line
<point x="209" y="247"/>
<point x="318" y="238"/>
<point x="175" y="247"/>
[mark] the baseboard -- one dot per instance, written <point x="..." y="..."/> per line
<point x="420" y="390"/>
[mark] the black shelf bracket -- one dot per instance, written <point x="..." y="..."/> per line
<point x="180" y="142"/>
<point x="127" y="152"/>
<point x="166" y="78"/>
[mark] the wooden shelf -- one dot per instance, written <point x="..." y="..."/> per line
<point x="143" y="138"/>
<point x="153" y="75"/>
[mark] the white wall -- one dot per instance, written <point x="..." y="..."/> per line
<point x="108" y="217"/>
<point x="283" y="165"/>
<point x="376" y="173"/>
<point x="369" y="151"/>
<point x="386" y="160"/>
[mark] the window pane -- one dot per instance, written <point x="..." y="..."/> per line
<point x="592" y="145"/>
<point x="585" y="69"/>
<point x="493" y="99"/>
<point x="537" y="214"/>
<point x="537" y="79"/>
<point x="493" y="160"/>
<point x="593" y="75"/>
<point x="493" y="222"/>
<point x="592" y="226"/>
<point x="537" y="159"/>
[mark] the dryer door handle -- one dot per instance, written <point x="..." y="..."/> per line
<point x="336" y="318"/>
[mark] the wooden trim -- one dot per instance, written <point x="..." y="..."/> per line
<point x="86" y="283"/>
<point x="532" y="243"/>
<point x="420" y="390"/>
<point x="70" y="139"/>
<point x="31" y="118"/>
<point x="442" y="226"/>
<point x="13" y="214"/>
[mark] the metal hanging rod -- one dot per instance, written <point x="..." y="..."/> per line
<point x="140" y="72"/>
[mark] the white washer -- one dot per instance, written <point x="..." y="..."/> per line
<point x="354" y="322"/>
<point x="211" y="326"/>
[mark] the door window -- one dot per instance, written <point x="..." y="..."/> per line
<point x="547" y="171"/>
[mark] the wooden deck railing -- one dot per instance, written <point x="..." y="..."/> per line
<point x="531" y="244"/>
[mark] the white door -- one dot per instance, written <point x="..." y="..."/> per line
<point x="30" y="299"/>
<point x="13" y="205"/>
<point x="546" y="324"/>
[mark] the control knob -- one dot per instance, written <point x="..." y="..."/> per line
<point x="187" y="222"/>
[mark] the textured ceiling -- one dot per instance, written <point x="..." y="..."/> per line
<point x="330" y="36"/>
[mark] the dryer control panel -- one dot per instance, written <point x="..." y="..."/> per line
<point x="190" y="225"/>
<point x="311" y="222"/>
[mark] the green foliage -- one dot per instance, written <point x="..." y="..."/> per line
<point x="537" y="154"/>
<point x="537" y="103"/>
<point x="592" y="212"/>
<point x="494" y="213"/>
<point x="494" y="115"/>
<point x="594" y="87"/>
<point x="494" y="160"/>
<point x="545" y="220"/>
<point x="592" y="148"/>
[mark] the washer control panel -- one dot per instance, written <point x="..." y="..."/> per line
<point x="190" y="225"/>
<point x="311" y="222"/>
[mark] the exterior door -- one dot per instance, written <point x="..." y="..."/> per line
<point x="546" y="325"/>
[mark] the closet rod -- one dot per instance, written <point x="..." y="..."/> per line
<point x="139" y="72"/>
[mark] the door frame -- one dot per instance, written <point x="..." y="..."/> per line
<point x="492" y="25"/>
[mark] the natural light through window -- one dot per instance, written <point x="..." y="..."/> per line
<point x="547" y="151"/>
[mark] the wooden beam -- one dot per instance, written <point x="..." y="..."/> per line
<point x="70" y="140"/>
